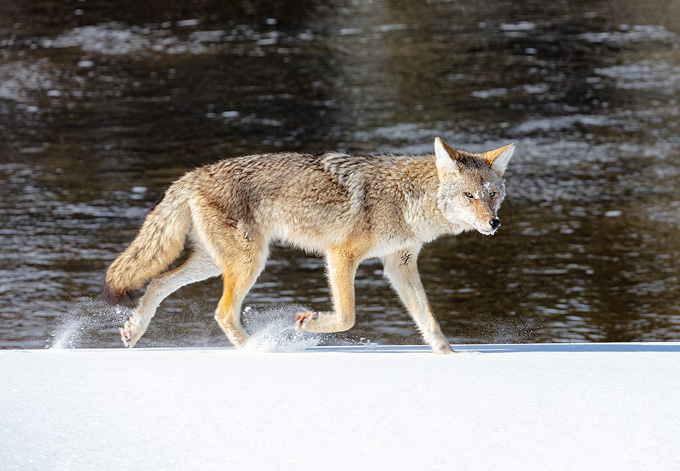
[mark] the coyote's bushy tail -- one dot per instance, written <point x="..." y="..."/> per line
<point x="159" y="242"/>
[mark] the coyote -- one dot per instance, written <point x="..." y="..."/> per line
<point x="348" y="208"/>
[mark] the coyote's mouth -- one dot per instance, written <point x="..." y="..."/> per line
<point x="489" y="228"/>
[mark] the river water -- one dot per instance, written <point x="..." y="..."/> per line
<point x="103" y="103"/>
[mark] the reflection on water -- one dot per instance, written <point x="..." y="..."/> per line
<point x="103" y="103"/>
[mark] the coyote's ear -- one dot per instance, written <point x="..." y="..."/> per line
<point x="498" y="159"/>
<point x="446" y="158"/>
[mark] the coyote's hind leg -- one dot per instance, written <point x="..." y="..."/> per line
<point x="197" y="268"/>
<point x="240" y="268"/>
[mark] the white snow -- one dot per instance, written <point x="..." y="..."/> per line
<point x="521" y="26"/>
<point x="529" y="407"/>
<point x="18" y="80"/>
<point x="636" y="34"/>
<point x="230" y="114"/>
<point x="117" y="39"/>
<point x="645" y="75"/>
<point x="192" y="22"/>
<point x="495" y="92"/>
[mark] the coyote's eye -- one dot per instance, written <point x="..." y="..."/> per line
<point x="492" y="194"/>
<point x="469" y="195"/>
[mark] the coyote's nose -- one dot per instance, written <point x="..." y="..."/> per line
<point x="495" y="222"/>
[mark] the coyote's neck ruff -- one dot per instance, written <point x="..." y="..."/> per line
<point x="348" y="208"/>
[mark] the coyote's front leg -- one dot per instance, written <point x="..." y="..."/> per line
<point x="342" y="266"/>
<point x="402" y="270"/>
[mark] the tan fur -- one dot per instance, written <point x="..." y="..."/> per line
<point x="348" y="208"/>
<point x="159" y="242"/>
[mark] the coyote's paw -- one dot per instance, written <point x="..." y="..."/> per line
<point x="442" y="348"/>
<point x="130" y="333"/>
<point x="303" y="318"/>
<point x="237" y="337"/>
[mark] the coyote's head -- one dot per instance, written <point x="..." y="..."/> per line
<point x="471" y="187"/>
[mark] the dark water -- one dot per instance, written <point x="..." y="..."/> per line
<point x="103" y="103"/>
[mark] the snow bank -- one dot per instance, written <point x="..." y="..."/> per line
<point x="504" y="407"/>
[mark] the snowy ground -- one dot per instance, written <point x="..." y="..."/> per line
<point x="500" y="407"/>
